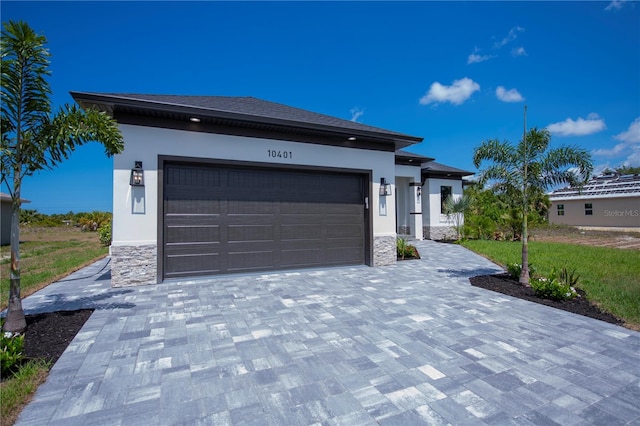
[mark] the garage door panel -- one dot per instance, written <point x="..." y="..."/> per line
<point x="220" y="219"/>
<point x="185" y="265"/>
<point x="338" y="219"/>
<point x="250" y="261"/>
<point x="300" y="258"/>
<point x="346" y="209"/>
<point x="192" y="176"/>
<point x="342" y="242"/>
<point x="193" y="234"/>
<point x="193" y="249"/>
<point x="300" y="208"/>
<point x="300" y="231"/>
<point x="252" y="207"/>
<point x="263" y="179"/>
<point x="344" y="255"/>
<point x="245" y="233"/>
<point x="192" y="206"/>
<point x="345" y="231"/>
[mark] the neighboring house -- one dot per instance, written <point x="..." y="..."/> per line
<point x="607" y="201"/>
<point x="211" y="185"/>
<point x="5" y="218"/>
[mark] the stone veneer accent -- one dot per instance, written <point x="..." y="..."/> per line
<point x="439" y="232"/>
<point x="137" y="265"/>
<point x="134" y="265"/>
<point x="384" y="251"/>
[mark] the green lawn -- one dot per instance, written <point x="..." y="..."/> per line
<point x="18" y="390"/>
<point x="609" y="276"/>
<point x="48" y="254"/>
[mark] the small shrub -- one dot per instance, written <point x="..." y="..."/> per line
<point x="11" y="347"/>
<point x="515" y="269"/>
<point x="568" y="277"/>
<point x="555" y="287"/>
<point x="406" y="251"/>
<point x="105" y="234"/>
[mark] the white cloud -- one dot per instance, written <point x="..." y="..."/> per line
<point x="579" y="127"/>
<point x="630" y="153"/>
<point x="632" y="135"/>
<point x="615" y="5"/>
<point x="613" y="152"/>
<point x="633" y="160"/>
<point x="457" y="93"/>
<point x="475" y="58"/>
<point x="629" y="146"/>
<point x="599" y="168"/>
<point x="356" y="113"/>
<point x="513" y="34"/>
<point x="511" y="95"/>
<point x="518" y="51"/>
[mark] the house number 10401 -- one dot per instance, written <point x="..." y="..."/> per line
<point x="279" y="154"/>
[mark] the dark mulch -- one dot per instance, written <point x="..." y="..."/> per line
<point x="503" y="283"/>
<point x="49" y="334"/>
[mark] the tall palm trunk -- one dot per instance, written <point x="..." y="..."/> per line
<point x="524" y="274"/>
<point x="15" y="321"/>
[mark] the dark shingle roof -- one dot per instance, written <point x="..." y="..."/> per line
<point x="7" y="197"/>
<point x="434" y="168"/>
<point x="410" y="159"/>
<point x="240" y="109"/>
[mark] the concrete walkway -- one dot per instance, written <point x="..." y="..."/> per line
<point x="412" y="343"/>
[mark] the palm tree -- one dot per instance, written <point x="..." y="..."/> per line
<point x="526" y="171"/>
<point x="34" y="138"/>
<point x="455" y="208"/>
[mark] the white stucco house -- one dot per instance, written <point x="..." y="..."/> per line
<point x="422" y="186"/>
<point x="211" y="185"/>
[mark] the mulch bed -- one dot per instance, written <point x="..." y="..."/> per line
<point x="503" y="283"/>
<point x="49" y="334"/>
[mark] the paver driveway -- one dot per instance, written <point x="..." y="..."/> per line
<point x="412" y="343"/>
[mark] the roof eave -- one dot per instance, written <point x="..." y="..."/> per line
<point x="109" y="104"/>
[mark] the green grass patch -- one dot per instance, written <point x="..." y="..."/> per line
<point x="15" y="392"/>
<point x="48" y="255"/>
<point x="610" y="277"/>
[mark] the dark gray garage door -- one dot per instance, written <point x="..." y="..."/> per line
<point x="223" y="219"/>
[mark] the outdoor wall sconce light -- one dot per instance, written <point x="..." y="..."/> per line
<point x="385" y="188"/>
<point x="418" y="192"/>
<point x="137" y="175"/>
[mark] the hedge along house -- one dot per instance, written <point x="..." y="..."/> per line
<point x="609" y="201"/>
<point x="211" y="185"/>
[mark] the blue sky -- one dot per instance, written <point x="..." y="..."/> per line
<point x="454" y="73"/>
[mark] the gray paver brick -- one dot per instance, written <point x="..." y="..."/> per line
<point x="411" y="343"/>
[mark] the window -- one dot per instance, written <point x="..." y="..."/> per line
<point x="588" y="209"/>
<point x="445" y="192"/>
<point x="560" y="209"/>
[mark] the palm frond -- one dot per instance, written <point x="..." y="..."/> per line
<point x="25" y="90"/>
<point x="494" y="151"/>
